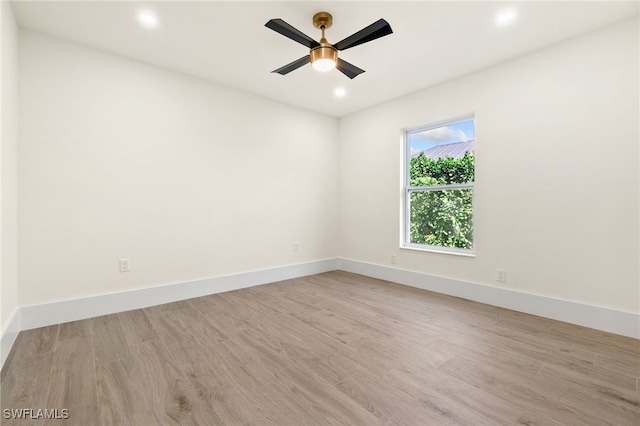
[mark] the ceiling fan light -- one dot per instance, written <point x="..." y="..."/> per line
<point x="323" y="65"/>
<point x="324" y="58"/>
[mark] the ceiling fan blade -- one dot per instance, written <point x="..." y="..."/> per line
<point x="376" y="30"/>
<point x="348" y="69"/>
<point x="279" y="26"/>
<point x="293" y="65"/>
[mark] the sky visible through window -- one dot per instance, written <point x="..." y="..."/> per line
<point x="452" y="133"/>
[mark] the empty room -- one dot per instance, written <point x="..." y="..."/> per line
<point x="314" y="213"/>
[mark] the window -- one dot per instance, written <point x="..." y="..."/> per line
<point x="438" y="195"/>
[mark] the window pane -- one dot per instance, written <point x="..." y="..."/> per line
<point x="442" y="218"/>
<point x="442" y="155"/>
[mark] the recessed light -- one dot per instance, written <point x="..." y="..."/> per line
<point x="506" y="17"/>
<point x="339" y="92"/>
<point x="147" y="19"/>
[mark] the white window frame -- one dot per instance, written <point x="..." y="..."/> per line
<point x="408" y="189"/>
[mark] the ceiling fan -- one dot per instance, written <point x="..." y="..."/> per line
<point x="324" y="55"/>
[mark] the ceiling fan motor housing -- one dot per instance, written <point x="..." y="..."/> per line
<point x="324" y="51"/>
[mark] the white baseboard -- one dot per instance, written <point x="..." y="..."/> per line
<point x="8" y="335"/>
<point x="612" y="321"/>
<point x="35" y="316"/>
<point x="28" y="317"/>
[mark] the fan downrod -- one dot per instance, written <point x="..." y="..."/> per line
<point x="322" y="20"/>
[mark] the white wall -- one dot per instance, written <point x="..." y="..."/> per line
<point x="187" y="179"/>
<point x="8" y="166"/>
<point x="556" y="172"/>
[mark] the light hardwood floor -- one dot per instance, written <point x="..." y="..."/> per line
<point x="334" y="348"/>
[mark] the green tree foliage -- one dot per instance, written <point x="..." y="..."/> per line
<point x="442" y="217"/>
<point x="443" y="171"/>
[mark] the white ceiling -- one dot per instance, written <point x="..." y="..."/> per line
<point x="227" y="42"/>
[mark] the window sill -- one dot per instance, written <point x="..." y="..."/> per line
<point x="440" y="250"/>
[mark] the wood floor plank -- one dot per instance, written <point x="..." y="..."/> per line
<point x="416" y="332"/>
<point x="198" y="325"/>
<point x="322" y="287"/>
<point x="202" y="367"/>
<point x="136" y="327"/>
<point x="592" y="395"/>
<point x="298" y="290"/>
<point x="629" y="366"/>
<point x="334" y="348"/>
<point x="121" y="397"/>
<point x="109" y="342"/>
<point x="222" y="303"/>
<point x="596" y="338"/>
<point x="9" y="359"/>
<point x="152" y="311"/>
<point x="33" y="345"/>
<point x="316" y="340"/>
<point x="526" y="339"/>
<point x="26" y="387"/>
<point x="322" y="354"/>
<point x="429" y="383"/>
<point x="258" y="387"/>
<point x="230" y="324"/>
<point x="516" y="388"/>
<point x="170" y="326"/>
<point x="170" y="395"/>
<point x="75" y="329"/>
<point x="283" y="302"/>
<point x="337" y="326"/>
<point x="485" y="353"/>
<point x="250" y="304"/>
<point x="594" y="374"/>
<point x="267" y="352"/>
<point x="290" y="344"/>
<point x="334" y="366"/>
<point x="429" y="319"/>
<point x="389" y="404"/>
<point x="207" y="304"/>
<point x="73" y="381"/>
<point x="317" y="396"/>
<point x="619" y="347"/>
<point x="385" y="354"/>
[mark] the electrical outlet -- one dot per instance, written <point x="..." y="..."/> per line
<point x="295" y="247"/>
<point x="124" y="265"/>
<point x="502" y="275"/>
<point x="393" y="259"/>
